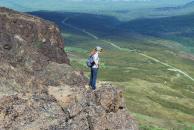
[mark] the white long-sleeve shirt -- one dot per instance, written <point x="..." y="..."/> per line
<point x="96" y="60"/>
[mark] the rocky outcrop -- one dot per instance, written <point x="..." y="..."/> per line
<point x="22" y="35"/>
<point x="40" y="91"/>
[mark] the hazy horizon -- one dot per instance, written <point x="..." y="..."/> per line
<point x="94" y="5"/>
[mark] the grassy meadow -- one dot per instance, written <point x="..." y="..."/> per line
<point x="158" y="98"/>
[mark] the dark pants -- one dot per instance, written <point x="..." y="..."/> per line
<point x="93" y="77"/>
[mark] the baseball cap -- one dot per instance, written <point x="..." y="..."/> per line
<point x="98" y="48"/>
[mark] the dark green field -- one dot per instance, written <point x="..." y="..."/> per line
<point x="147" y="58"/>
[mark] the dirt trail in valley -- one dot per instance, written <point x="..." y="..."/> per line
<point x="79" y="29"/>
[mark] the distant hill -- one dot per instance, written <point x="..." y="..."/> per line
<point x="169" y="27"/>
<point x="190" y="4"/>
<point x="177" y="25"/>
<point x="185" y="7"/>
<point x="100" y="24"/>
<point x="177" y="28"/>
<point x="124" y="10"/>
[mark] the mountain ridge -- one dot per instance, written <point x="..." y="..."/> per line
<point x="180" y="7"/>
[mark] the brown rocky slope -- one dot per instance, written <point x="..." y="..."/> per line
<point x="39" y="90"/>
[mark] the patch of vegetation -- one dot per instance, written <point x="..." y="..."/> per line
<point x="145" y="127"/>
<point x="39" y="44"/>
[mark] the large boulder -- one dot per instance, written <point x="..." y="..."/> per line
<point x="39" y="90"/>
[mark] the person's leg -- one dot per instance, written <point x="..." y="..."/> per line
<point x="95" y="71"/>
<point x="91" y="77"/>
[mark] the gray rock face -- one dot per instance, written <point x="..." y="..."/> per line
<point x="39" y="92"/>
<point x="22" y="34"/>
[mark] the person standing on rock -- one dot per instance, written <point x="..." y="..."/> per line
<point x="93" y="63"/>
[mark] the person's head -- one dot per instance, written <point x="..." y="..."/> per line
<point x="98" y="49"/>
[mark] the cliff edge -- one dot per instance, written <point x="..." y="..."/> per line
<point x="39" y="90"/>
